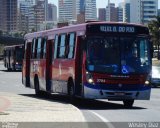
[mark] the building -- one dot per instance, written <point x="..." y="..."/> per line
<point x="32" y="20"/>
<point x="43" y="3"/>
<point x="8" y="15"/>
<point x="102" y="14"/>
<point x="120" y="14"/>
<point x="70" y="10"/>
<point x="87" y="8"/>
<point x="80" y="18"/>
<point x="126" y="12"/>
<point x="22" y="23"/>
<point x="23" y="14"/>
<point x="81" y="6"/>
<point x="31" y="2"/>
<point x="46" y="25"/>
<point x="90" y="10"/>
<point x="67" y="10"/>
<point x="52" y="12"/>
<point x="36" y="15"/>
<point x="146" y="10"/>
<point x="111" y="12"/>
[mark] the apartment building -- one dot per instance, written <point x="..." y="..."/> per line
<point x="8" y="15"/>
<point x="143" y="11"/>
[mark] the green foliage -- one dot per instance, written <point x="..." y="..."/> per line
<point x="154" y="28"/>
<point x="33" y="30"/>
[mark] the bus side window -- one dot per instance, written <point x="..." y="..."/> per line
<point x="71" y="45"/>
<point x="43" y="50"/>
<point x="39" y="48"/>
<point x="61" y="46"/>
<point x="25" y="48"/>
<point x="36" y="45"/>
<point x="67" y="47"/>
<point x="56" y="47"/>
<point x="33" y="48"/>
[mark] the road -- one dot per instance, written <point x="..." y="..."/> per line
<point x="19" y="104"/>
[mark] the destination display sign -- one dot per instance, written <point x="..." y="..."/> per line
<point x="117" y="28"/>
<point x="105" y="28"/>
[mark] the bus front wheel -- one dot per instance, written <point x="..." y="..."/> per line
<point x="128" y="103"/>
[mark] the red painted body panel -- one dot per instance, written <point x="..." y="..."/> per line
<point x="63" y="69"/>
<point x="123" y="79"/>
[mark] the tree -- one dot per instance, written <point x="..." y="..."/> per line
<point x="154" y="28"/>
<point x="33" y="30"/>
<point x="17" y="35"/>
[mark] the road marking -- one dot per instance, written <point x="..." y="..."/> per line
<point x="103" y="119"/>
<point x="99" y="116"/>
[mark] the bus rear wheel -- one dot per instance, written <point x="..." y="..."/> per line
<point x="38" y="92"/>
<point x="71" y="91"/>
<point x="128" y="103"/>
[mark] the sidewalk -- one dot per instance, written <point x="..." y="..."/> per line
<point x="27" y="108"/>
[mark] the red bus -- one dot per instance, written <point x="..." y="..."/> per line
<point x="96" y="60"/>
<point x="13" y="57"/>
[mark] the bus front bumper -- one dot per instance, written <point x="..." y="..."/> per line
<point x="91" y="93"/>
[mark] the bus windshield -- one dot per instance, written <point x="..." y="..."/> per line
<point x="118" y="55"/>
<point x="19" y="54"/>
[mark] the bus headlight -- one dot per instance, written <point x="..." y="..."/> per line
<point x="147" y="82"/>
<point x="89" y="78"/>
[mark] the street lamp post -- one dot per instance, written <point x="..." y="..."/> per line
<point x="158" y="43"/>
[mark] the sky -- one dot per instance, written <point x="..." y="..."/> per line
<point x="100" y="3"/>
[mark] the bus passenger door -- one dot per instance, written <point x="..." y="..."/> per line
<point x="49" y="47"/>
<point x="26" y="65"/>
<point x="79" y="67"/>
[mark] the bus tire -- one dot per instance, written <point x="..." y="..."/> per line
<point x="38" y="92"/>
<point x="14" y="68"/>
<point x="128" y="103"/>
<point x="71" y="91"/>
<point x="9" y="69"/>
